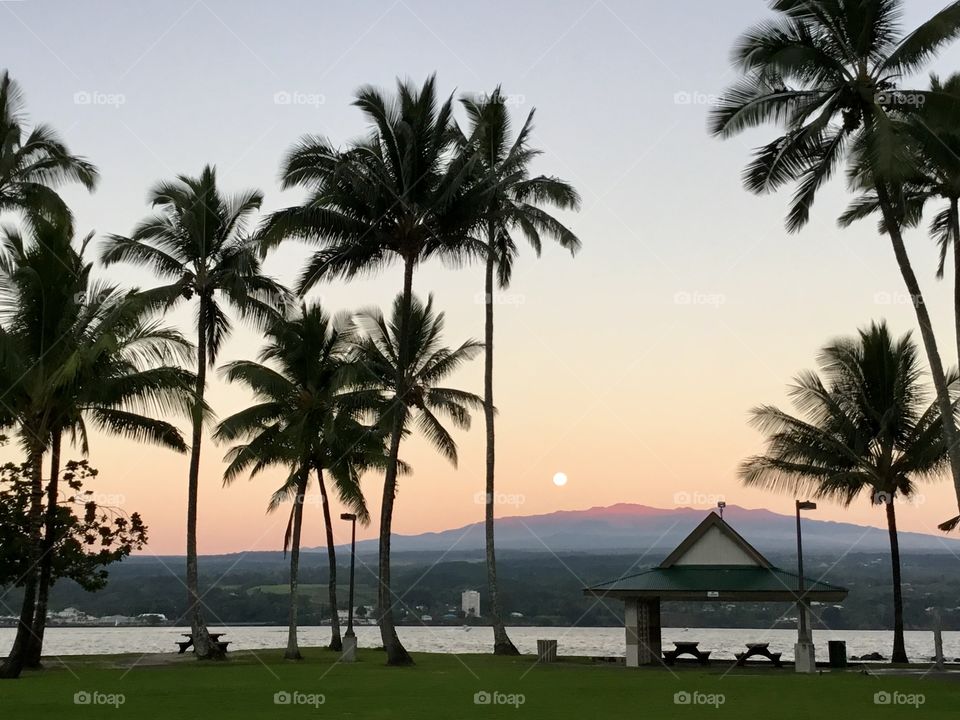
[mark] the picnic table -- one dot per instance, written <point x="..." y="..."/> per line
<point x="214" y="637"/>
<point x="758" y="650"/>
<point x="686" y="648"/>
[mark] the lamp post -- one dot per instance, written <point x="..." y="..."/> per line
<point x="804" y="651"/>
<point x="350" y="638"/>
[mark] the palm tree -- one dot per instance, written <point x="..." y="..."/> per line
<point x="33" y="164"/>
<point x="304" y="419"/>
<point x="513" y="204"/>
<point x="413" y="401"/>
<point x="197" y="241"/>
<point x="79" y="351"/>
<point x="400" y="195"/>
<point x="867" y="427"/>
<point x="828" y="73"/>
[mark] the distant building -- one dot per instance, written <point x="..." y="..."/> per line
<point x="470" y="603"/>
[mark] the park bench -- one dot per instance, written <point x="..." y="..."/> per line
<point x="686" y="648"/>
<point x="758" y="650"/>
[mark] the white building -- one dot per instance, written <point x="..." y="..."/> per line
<point x="470" y="602"/>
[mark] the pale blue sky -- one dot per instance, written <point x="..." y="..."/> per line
<point x="602" y="373"/>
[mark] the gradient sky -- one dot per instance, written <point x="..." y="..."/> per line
<point x="631" y="368"/>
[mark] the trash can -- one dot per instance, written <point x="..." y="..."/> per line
<point x="546" y="651"/>
<point x="838" y="653"/>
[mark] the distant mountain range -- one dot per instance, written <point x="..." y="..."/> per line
<point x="632" y="528"/>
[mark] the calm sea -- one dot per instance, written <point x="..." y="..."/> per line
<point x="582" y="641"/>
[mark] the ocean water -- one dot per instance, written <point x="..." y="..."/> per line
<point x="578" y="641"/>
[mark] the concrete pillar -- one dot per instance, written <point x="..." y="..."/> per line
<point x="642" y="621"/>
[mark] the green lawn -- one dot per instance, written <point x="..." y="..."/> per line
<point x="444" y="686"/>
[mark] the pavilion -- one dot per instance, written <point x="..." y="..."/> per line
<point x="714" y="564"/>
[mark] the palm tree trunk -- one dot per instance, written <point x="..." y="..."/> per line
<point x="955" y="231"/>
<point x="293" y="649"/>
<point x="396" y="653"/>
<point x="35" y="641"/>
<point x="13" y="665"/>
<point x="929" y="343"/>
<point x="501" y="641"/>
<point x="336" y="643"/>
<point x="201" y="638"/>
<point x="899" y="650"/>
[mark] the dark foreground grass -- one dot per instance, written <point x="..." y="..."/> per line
<point x="447" y="686"/>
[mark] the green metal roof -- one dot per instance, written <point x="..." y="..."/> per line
<point x="717" y="582"/>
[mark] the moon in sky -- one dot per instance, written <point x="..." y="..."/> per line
<point x="560" y="479"/>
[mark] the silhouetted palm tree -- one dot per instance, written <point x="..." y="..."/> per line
<point x="33" y="164"/>
<point x="400" y="195"/>
<point x="934" y="140"/>
<point x="197" y="240"/>
<point x="76" y="351"/>
<point x="305" y="420"/>
<point x="827" y="72"/>
<point x="866" y="427"/>
<point x="407" y="395"/>
<point x="513" y="203"/>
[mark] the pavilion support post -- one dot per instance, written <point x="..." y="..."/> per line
<point x="642" y="621"/>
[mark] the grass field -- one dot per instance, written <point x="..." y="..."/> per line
<point x="446" y="686"/>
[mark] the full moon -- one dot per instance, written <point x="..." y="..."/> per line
<point x="560" y="479"/>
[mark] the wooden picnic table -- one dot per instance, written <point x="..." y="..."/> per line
<point x="686" y="648"/>
<point x="214" y="637"/>
<point x="758" y="650"/>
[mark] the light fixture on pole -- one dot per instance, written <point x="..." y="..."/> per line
<point x="804" y="651"/>
<point x="720" y="506"/>
<point x="350" y="638"/>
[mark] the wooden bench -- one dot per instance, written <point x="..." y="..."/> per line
<point x="686" y="648"/>
<point x="758" y="650"/>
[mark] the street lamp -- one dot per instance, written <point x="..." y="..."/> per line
<point x="804" y="651"/>
<point x="350" y="638"/>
